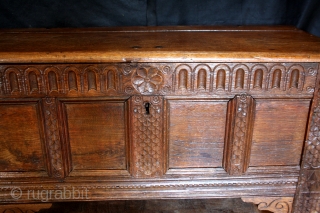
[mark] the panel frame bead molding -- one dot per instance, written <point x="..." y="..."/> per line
<point x="216" y="112"/>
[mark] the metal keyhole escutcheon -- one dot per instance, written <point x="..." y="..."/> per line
<point x="147" y="106"/>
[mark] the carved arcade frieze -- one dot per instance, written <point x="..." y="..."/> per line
<point x="157" y="79"/>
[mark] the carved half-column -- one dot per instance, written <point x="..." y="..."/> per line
<point x="238" y="134"/>
<point x="147" y="139"/>
<point x="272" y="204"/>
<point x="53" y="139"/>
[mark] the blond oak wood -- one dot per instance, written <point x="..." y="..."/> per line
<point x="159" y="44"/>
<point x="160" y="112"/>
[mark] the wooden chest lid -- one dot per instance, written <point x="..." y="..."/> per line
<point x="159" y="44"/>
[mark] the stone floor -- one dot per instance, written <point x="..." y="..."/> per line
<point x="157" y="206"/>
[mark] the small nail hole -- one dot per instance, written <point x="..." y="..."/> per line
<point x="158" y="47"/>
<point x="136" y="47"/>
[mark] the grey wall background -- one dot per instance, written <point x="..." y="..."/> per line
<point x="304" y="14"/>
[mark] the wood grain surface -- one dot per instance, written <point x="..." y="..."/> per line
<point x="161" y="112"/>
<point x="159" y="44"/>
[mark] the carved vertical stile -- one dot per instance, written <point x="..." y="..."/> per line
<point x="238" y="134"/>
<point x="53" y="139"/>
<point x="147" y="138"/>
<point x="307" y="197"/>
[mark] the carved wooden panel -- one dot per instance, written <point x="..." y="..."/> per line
<point x="238" y="134"/>
<point x="97" y="133"/>
<point x="21" y="136"/>
<point x="158" y="78"/>
<point x="279" y="131"/>
<point x="195" y="132"/>
<point x="271" y="204"/>
<point x="146" y="114"/>
<point x="53" y="138"/>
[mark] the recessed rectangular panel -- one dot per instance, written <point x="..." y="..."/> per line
<point x="97" y="134"/>
<point x="278" y="132"/>
<point x="196" y="131"/>
<point x="20" y="137"/>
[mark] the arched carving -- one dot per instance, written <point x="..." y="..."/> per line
<point x="182" y="78"/>
<point x="52" y="79"/>
<point x="203" y="78"/>
<point x="222" y="78"/>
<point x="277" y="78"/>
<point x="33" y="80"/>
<point x="91" y="79"/>
<point x="240" y="74"/>
<point x="295" y="78"/>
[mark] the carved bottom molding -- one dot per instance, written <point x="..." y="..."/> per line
<point x="272" y="204"/>
<point x="24" y="208"/>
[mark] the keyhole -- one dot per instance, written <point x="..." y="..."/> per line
<point x="147" y="106"/>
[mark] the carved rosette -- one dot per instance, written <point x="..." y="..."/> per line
<point x="147" y="80"/>
<point x="238" y="134"/>
<point x="53" y="137"/>
<point x="147" y="136"/>
<point x="272" y="204"/>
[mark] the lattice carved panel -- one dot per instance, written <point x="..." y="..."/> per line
<point x="147" y="139"/>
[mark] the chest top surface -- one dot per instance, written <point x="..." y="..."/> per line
<point x="159" y="44"/>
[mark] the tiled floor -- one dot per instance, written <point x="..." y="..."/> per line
<point x="157" y="206"/>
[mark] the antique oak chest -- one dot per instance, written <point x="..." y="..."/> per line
<point x="161" y="112"/>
